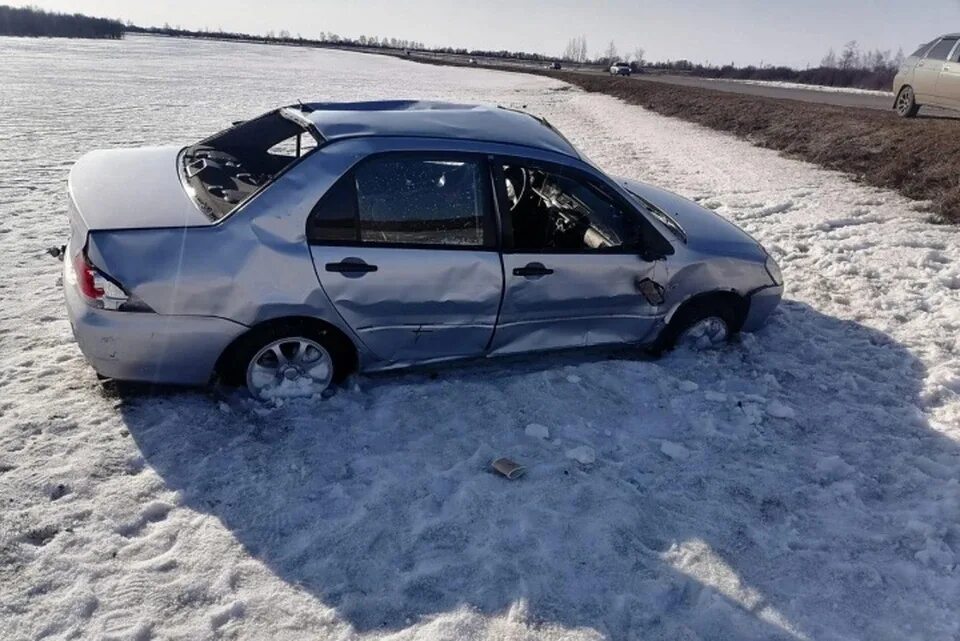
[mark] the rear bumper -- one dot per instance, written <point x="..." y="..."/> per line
<point x="146" y="347"/>
<point x="762" y="304"/>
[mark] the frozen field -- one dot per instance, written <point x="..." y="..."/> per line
<point x="802" y="484"/>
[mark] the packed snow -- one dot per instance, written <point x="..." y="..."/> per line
<point x="801" y="483"/>
<point x="799" y="85"/>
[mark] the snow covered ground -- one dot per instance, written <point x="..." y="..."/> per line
<point x="802" y="484"/>
<point x="799" y="85"/>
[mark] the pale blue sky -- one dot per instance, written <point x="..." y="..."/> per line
<point x="744" y="31"/>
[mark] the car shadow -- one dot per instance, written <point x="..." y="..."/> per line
<point x="756" y="506"/>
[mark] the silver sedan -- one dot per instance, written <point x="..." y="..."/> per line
<point x="929" y="76"/>
<point x="312" y="241"/>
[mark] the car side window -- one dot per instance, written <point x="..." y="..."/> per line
<point x="919" y="52"/>
<point x="408" y="200"/>
<point x="334" y="219"/>
<point x="421" y="201"/>
<point x="942" y="49"/>
<point x="562" y="211"/>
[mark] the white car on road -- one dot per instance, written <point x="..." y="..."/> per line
<point x="930" y="76"/>
<point x="620" y="69"/>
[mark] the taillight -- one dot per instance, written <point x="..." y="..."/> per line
<point x="101" y="291"/>
<point x="86" y="279"/>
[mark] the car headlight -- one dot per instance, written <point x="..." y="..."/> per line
<point x="774" y="270"/>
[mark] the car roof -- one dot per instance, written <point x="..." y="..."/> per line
<point x="431" y="119"/>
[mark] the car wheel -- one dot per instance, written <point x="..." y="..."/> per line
<point x="700" y="325"/>
<point x="287" y="361"/>
<point x="907" y="106"/>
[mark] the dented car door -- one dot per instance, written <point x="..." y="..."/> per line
<point x="574" y="264"/>
<point x="404" y="246"/>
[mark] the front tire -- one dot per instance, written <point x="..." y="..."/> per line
<point x="701" y="325"/>
<point x="906" y="105"/>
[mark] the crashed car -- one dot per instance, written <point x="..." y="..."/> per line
<point x="315" y="240"/>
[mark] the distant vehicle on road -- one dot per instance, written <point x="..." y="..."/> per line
<point x="930" y="76"/>
<point x="409" y="232"/>
<point x="555" y="65"/>
<point x="620" y="69"/>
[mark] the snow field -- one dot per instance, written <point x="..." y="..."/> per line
<point x="801" y="484"/>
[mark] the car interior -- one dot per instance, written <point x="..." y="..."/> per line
<point x="553" y="211"/>
<point x="227" y="168"/>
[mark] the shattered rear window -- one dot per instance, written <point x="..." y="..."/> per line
<point x="224" y="170"/>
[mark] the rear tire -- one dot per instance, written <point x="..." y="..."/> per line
<point x="906" y="105"/>
<point x="290" y="349"/>
<point x="705" y="324"/>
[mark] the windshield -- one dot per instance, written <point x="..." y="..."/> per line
<point x="224" y="170"/>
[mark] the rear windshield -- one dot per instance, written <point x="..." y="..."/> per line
<point x="224" y="170"/>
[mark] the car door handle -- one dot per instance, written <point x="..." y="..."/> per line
<point x="532" y="270"/>
<point x="351" y="266"/>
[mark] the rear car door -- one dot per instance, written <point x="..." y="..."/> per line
<point x="575" y="264"/>
<point x="948" y="83"/>
<point x="404" y="246"/>
<point x="927" y="73"/>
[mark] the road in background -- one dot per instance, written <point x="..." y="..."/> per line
<point x="838" y="97"/>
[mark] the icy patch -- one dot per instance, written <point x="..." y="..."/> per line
<point x="777" y="409"/>
<point x="715" y="397"/>
<point x="537" y="431"/>
<point x="832" y="468"/>
<point x="675" y="451"/>
<point x="583" y="454"/>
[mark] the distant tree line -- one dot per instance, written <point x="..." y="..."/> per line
<point x="576" y="51"/>
<point x="30" y="21"/>
<point x="331" y="39"/>
<point x="281" y="37"/>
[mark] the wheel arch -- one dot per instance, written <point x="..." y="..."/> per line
<point x="325" y="328"/>
<point x="731" y="298"/>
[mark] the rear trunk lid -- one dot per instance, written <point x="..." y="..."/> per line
<point x="130" y="189"/>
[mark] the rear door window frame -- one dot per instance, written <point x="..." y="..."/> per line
<point x="949" y="53"/>
<point x="490" y="224"/>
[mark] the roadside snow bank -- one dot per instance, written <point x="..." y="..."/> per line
<point x="799" y="85"/>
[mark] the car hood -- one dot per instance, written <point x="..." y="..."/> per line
<point x="705" y="230"/>
<point x="131" y="189"/>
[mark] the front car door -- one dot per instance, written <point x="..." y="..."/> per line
<point x="948" y="83"/>
<point x="575" y="261"/>
<point x="405" y="247"/>
<point x="927" y="72"/>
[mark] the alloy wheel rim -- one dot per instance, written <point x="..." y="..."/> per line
<point x="903" y="102"/>
<point x="289" y="367"/>
<point x="707" y="333"/>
